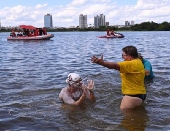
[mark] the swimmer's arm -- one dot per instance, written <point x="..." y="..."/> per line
<point x="79" y="101"/>
<point x="148" y="68"/>
<point x="66" y="98"/>
<point x="89" y="92"/>
<point x="69" y="100"/>
<point x="92" y="96"/>
<point x="147" y="72"/>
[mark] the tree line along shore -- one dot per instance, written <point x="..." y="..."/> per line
<point x="145" y="26"/>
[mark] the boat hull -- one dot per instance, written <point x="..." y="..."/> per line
<point x="112" y="36"/>
<point x="116" y="35"/>
<point x="43" y="37"/>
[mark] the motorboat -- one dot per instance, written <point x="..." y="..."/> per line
<point x="29" y="32"/>
<point x="42" y="37"/>
<point x="115" y="35"/>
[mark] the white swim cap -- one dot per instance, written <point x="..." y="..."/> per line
<point x="72" y="77"/>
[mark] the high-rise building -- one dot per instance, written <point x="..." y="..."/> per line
<point x="102" y="20"/>
<point x="99" y="21"/>
<point x="82" y="21"/>
<point x="48" y="22"/>
<point x="127" y="23"/>
<point x="107" y="23"/>
<point x="96" y="21"/>
<point x="132" y="23"/>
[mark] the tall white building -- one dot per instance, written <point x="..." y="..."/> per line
<point x="132" y="22"/>
<point x="48" y="21"/>
<point x="82" y="21"/>
<point x="102" y="20"/>
<point x="99" y="21"/>
<point x="96" y="21"/>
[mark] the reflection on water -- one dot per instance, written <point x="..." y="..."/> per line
<point x="32" y="73"/>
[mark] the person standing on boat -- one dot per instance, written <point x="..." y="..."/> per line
<point x="13" y="34"/>
<point x="76" y="92"/>
<point x="108" y="32"/>
<point x="20" y="33"/>
<point x="112" y="32"/>
<point x="44" y="31"/>
<point x="148" y="68"/>
<point x="132" y="73"/>
<point x="36" y="32"/>
<point x="40" y="31"/>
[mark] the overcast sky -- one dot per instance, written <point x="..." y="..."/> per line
<point x="66" y="13"/>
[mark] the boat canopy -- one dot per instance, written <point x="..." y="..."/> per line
<point x="27" y="27"/>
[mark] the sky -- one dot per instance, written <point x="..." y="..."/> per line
<point x="65" y="13"/>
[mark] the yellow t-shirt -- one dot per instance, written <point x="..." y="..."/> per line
<point x="132" y="74"/>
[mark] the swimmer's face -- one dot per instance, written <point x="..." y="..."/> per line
<point x="77" y="84"/>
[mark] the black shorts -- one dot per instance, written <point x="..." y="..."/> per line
<point x="141" y="96"/>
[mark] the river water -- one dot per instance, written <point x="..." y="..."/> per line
<point x="32" y="73"/>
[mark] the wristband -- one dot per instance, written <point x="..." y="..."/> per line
<point x="91" y="90"/>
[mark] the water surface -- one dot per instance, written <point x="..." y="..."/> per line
<point x="32" y="73"/>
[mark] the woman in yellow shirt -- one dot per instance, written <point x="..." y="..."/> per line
<point x="132" y="73"/>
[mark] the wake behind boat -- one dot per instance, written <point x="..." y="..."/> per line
<point x="29" y="32"/>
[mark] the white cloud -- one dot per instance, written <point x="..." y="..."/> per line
<point x="78" y="2"/>
<point x="145" y="10"/>
<point x="40" y="6"/>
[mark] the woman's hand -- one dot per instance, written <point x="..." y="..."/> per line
<point x="96" y="60"/>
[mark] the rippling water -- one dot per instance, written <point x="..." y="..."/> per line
<point x="32" y="73"/>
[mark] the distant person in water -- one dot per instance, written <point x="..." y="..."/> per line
<point x="148" y="68"/>
<point x="76" y="92"/>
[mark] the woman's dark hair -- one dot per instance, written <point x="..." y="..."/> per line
<point x="140" y="57"/>
<point x="131" y="50"/>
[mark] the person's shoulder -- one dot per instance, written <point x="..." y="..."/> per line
<point x="63" y="92"/>
<point x="146" y="61"/>
<point x="136" y="61"/>
<point x="121" y="63"/>
<point x="64" y="89"/>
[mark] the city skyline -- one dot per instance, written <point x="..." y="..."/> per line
<point x="66" y="13"/>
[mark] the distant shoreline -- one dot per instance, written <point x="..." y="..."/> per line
<point x="145" y="26"/>
<point x="94" y="31"/>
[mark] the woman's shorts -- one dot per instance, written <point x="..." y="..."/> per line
<point x="141" y="96"/>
